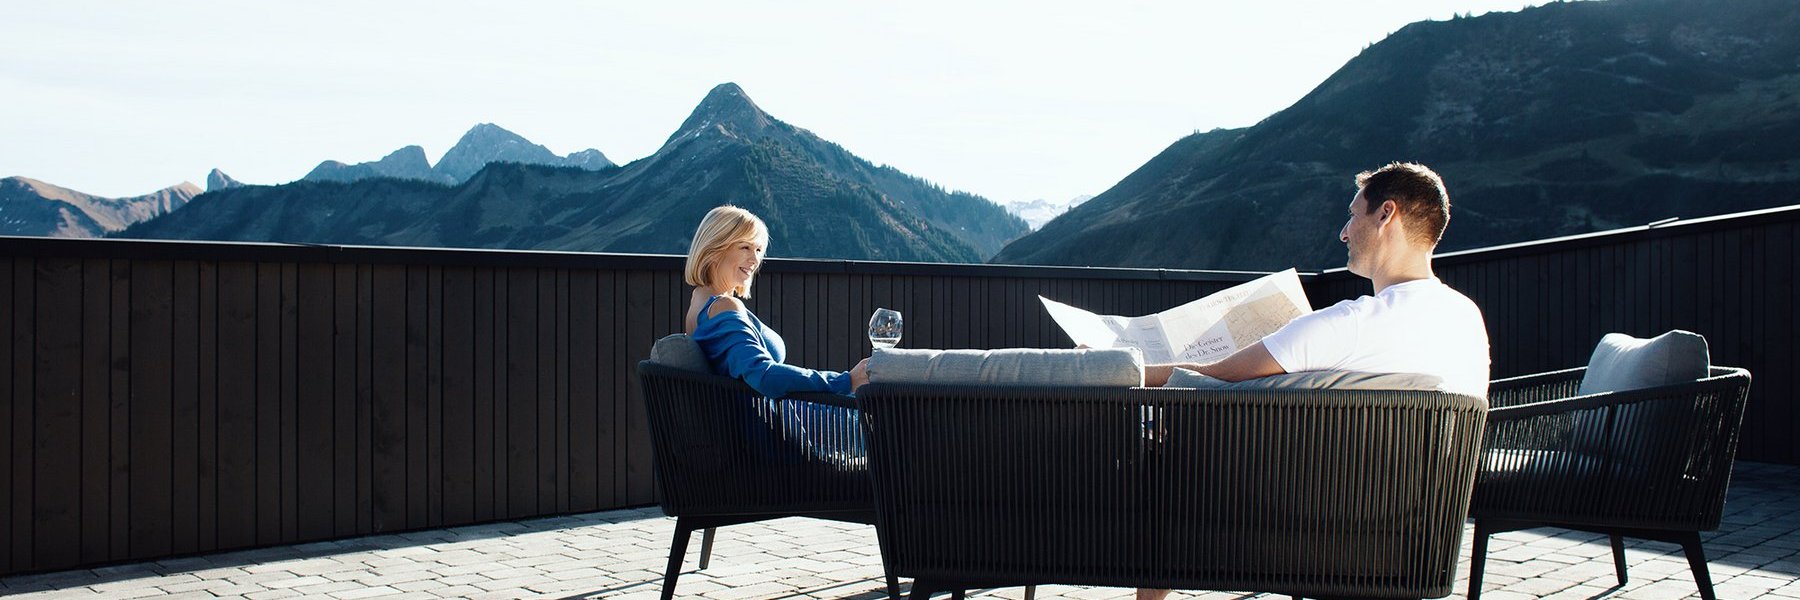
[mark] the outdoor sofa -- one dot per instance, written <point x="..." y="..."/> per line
<point x="1314" y="493"/>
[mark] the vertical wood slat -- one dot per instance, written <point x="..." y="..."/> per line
<point x="344" y="367"/>
<point x="118" y="410"/>
<point x="151" y="469"/>
<point x="236" y="420"/>
<point x="268" y="403"/>
<point x="184" y="408"/>
<point x="458" y="369"/>
<point x="585" y="373"/>
<point x="316" y="406"/>
<point x="96" y="402"/>
<point x="8" y="490"/>
<point x="547" y="434"/>
<point x="23" y="307"/>
<point x="521" y="392"/>
<point x="416" y="407"/>
<point x="56" y="418"/>
<point x="481" y="377"/>
<point x="634" y="424"/>
<point x="287" y="321"/>
<point x="609" y="378"/>
<point x="387" y="403"/>
<point x="434" y="396"/>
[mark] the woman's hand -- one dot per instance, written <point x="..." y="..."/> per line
<point x="859" y="375"/>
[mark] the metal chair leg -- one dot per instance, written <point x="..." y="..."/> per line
<point x="706" y="540"/>
<point x="1618" y="548"/>
<point x="1478" y="560"/>
<point x="1696" y="555"/>
<point x="677" y="550"/>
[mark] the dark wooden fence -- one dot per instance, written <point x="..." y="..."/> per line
<point x="168" y="398"/>
<point x="174" y="398"/>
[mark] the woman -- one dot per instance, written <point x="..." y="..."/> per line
<point x="722" y="260"/>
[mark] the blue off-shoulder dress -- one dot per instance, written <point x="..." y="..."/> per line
<point x="739" y="345"/>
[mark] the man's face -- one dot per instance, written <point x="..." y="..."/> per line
<point x="1359" y="234"/>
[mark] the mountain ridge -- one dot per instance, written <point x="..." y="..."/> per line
<point x="819" y="200"/>
<point x="37" y="208"/>
<point x="1554" y="120"/>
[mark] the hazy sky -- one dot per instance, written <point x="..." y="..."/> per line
<point x="1010" y="100"/>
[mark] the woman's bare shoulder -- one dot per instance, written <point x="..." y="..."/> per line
<point x="725" y="303"/>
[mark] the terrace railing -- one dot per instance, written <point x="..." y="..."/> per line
<point x="168" y="398"/>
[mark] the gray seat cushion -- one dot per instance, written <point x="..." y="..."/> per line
<point x="1621" y="362"/>
<point x="679" y="351"/>
<point x="1092" y="367"/>
<point x="1310" y="380"/>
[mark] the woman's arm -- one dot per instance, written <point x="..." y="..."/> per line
<point x="730" y="339"/>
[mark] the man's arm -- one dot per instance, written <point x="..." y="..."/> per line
<point x="1247" y="363"/>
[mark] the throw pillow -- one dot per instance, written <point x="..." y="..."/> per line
<point x="679" y="351"/>
<point x="1621" y="362"/>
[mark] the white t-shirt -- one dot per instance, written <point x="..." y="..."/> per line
<point x="1420" y="326"/>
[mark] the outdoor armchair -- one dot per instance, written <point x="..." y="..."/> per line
<point x="1649" y="463"/>
<point x="1346" y="493"/>
<point x="725" y="455"/>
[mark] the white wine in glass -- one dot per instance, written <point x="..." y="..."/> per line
<point x="884" y="328"/>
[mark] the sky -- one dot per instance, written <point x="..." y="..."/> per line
<point x="1013" y="101"/>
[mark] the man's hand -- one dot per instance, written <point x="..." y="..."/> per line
<point x="859" y="375"/>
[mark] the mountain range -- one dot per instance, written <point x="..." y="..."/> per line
<point x="1038" y="212"/>
<point x="1555" y="120"/>
<point x="818" y="199"/>
<point x="32" y="207"/>
<point x="483" y="144"/>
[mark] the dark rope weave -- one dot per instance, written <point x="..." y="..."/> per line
<point x="1313" y="493"/>
<point x="1656" y="458"/>
<point x="721" y="449"/>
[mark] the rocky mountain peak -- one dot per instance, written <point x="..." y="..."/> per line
<point x="218" y="180"/>
<point x="486" y="143"/>
<point x="726" y="109"/>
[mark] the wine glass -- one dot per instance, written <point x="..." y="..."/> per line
<point x="884" y="328"/>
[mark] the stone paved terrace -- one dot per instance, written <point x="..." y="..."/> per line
<point x="621" y="553"/>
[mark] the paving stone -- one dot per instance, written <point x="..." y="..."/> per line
<point x="366" y="592"/>
<point x="621" y="555"/>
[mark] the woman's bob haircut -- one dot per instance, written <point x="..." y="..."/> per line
<point x="719" y="230"/>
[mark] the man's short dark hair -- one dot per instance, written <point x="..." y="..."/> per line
<point x="1416" y="190"/>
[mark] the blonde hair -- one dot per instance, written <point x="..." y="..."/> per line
<point x="718" y="231"/>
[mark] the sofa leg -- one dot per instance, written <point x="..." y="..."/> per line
<point x="1696" y="555"/>
<point x="1618" y="548"/>
<point x="677" y="550"/>
<point x="1031" y="592"/>
<point x="893" y="584"/>
<point x="1478" y="559"/>
<point x="706" y="539"/>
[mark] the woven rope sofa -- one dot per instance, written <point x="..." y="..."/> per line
<point x="1311" y="493"/>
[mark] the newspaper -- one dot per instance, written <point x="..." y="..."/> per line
<point x="1202" y="331"/>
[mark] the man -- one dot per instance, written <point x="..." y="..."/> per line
<point x="1413" y="323"/>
